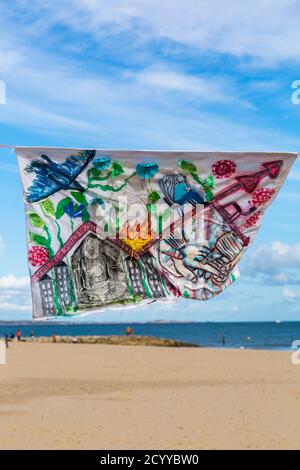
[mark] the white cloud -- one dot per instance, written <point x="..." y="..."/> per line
<point x="290" y="295"/>
<point x="277" y="264"/>
<point x="164" y="78"/>
<point x="12" y="282"/>
<point x="271" y="259"/>
<point x="6" y="306"/>
<point x="265" y="30"/>
<point x="15" y="294"/>
<point x="65" y="99"/>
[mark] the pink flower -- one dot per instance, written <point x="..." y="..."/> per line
<point x="38" y="255"/>
<point x="253" y="220"/>
<point x="224" y="168"/>
<point x="261" y="196"/>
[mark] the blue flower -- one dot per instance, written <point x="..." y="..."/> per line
<point x="102" y="163"/>
<point x="74" y="210"/>
<point x="147" y="169"/>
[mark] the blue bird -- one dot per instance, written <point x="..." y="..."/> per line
<point x="52" y="177"/>
<point x="177" y="189"/>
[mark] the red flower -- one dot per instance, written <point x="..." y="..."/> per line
<point x="38" y="255"/>
<point x="224" y="168"/>
<point x="261" y="196"/>
<point x="252" y="220"/>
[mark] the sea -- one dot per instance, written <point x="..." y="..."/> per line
<point x="248" y="335"/>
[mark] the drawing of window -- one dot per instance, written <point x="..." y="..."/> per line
<point x="135" y="277"/>
<point x="47" y="295"/>
<point x="63" y="281"/>
<point x="153" y="276"/>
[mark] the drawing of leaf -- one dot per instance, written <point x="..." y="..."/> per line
<point x="60" y="207"/>
<point x="79" y="197"/>
<point x="38" y="239"/>
<point x="85" y="216"/>
<point x="166" y="214"/>
<point x="48" y="208"/>
<point x="36" y="220"/>
<point x="187" y="166"/>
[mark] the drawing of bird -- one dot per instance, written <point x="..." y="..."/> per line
<point x="52" y="177"/>
<point x="177" y="190"/>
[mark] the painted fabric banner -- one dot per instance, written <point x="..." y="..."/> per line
<point x="116" y="228"/>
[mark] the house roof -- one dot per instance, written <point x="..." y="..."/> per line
<point x="59" y="256"/>
<point x="71" y="242"/>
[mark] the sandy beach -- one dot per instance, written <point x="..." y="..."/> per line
<point x="81" y="396"/>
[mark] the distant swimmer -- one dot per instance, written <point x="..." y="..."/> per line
<point x="223" y="341"/>
<point x="129" y="331"/>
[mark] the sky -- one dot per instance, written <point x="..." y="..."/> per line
<point x="146" y="74"/>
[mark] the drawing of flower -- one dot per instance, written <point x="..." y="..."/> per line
<point x="253" y="220"/>
<point x="38" y="255"/>
<point x="224" y="168"/>
<point x="262" y="196"/>
<point x="147" y="169"/>
<point x="74" y="210"/>
<point x="102" y="163"/>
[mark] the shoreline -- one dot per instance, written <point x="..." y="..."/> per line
<point x="137" y="340"/>
<point x="117" y="340"/>
<point x="260" y="336"/>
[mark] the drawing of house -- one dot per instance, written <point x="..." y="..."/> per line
<point x="98" y="272"/>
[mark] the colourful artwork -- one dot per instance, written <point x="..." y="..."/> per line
<point x="116" y="228"/>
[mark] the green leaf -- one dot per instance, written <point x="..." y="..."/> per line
<point x="166" y="214"/>
<point x="36" y="220"/>
<point x="93" y="172"/>
<point x="38" y="239"/>
<point x="209" y="195"/>
<point x="187" y="166"/>
<point x="79" y="197"/>
<point x="153" y="197"/>
<point x="85" y="216"/>
<point x="210" y="182"/>
<point x="60" y="207"/>
<point x="151" y="208"/>
<point x="117" y="169"/>
<point x="48" y="208"/>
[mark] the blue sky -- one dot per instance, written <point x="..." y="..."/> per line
<point x="146" y="74"/>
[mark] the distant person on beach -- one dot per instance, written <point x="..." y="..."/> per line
<point x="6" y="341"/>
<point x="54" y="338"/>
<point x="223" y="341"/>
<point x="18" y="335"/>
<point x="129" y="331"/>
<point x="12" y="336"/>
<point x="31" y="335"/>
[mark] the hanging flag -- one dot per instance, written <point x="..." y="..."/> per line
<point x="115" y="228"/>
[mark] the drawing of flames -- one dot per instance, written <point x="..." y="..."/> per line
<point x="137" y="234"/>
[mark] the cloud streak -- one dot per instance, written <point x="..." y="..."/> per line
<point x="239" y="30"/>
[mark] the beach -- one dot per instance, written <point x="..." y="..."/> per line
<point x="95" y="396"/>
